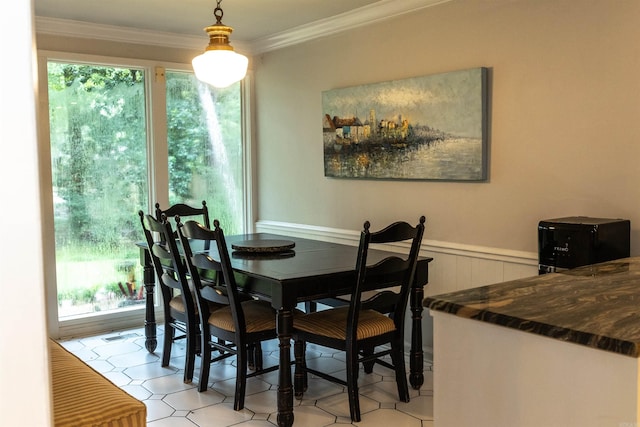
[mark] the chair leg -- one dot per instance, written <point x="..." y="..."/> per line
<point x="305" y="383"/>
<point x="368" y="366"/>
<point x="257" y="356"/>
<point x="205" y="363"/>
<point x="190" y="357"/>
<point x="397" y="358"/>
<point x="352" y="384"/>
<point x="300" y="374"/>
<point x="169" y="333"/>
<point x="254" y="357"/>
<point x="241" y="377"/>
<point x="251" y="361"/>
<point x="198" y="342"/>
<point x="310" y="307"/>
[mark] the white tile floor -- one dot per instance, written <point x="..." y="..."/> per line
<point x="122" y="358"/>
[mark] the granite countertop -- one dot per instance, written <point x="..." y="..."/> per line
<point x="596" y="306"/>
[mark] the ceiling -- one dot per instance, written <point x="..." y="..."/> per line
<point x="251" y="20"/>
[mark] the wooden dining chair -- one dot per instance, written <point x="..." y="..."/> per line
<point x="180" y="309"/>
<point x="184" y="211"/>
<point x="366" y="329"/>
<point x="232" y="330"/>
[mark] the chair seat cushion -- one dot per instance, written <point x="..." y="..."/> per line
<point x="177" y="303"/>
<point x="258" y="315"/>
<point x="82" y="397"/>
<point x="332" y="323"/>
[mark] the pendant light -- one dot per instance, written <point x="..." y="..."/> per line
<point x="219" y="65"/>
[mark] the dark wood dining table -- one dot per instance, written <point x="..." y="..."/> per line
<point x="311" y="270"/>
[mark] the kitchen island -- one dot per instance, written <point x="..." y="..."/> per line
<point x="559" y="349"/>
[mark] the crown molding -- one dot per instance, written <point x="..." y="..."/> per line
<point x="366" y="15"/>
<point x="88" y="30"/>
<point x="376" y="12"/>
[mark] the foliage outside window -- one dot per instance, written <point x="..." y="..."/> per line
<point x="99" y="171"/>
<point x="205" y="147"/>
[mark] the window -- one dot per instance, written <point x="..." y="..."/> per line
<point x="204" y="134"/>
<point x="97" y="120"/>
<point x="104" y="163"/>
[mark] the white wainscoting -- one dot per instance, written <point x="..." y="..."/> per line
<point x="454" y="267"/>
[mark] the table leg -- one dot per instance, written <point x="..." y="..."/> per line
<point x="284" y="326"/>
<point x="416" y="355"/>
<point x="150" y="341"/>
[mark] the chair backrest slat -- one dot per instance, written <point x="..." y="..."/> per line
<point x="389" y="272"/>
<point x="396" y="232"/>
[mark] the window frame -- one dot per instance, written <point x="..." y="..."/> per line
<point x="157" y="164"/>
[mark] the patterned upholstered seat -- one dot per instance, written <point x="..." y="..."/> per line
<point x="333" y="323"/>
<point x="82" y="397"/>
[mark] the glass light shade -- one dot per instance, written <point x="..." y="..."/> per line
<point x="220" y="68"/>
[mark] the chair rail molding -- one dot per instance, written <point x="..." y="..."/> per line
<point x="428" y="246"/>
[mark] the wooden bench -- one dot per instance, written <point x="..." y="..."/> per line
<point x="82" y="397"/>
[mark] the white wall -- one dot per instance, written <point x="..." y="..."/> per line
<point x="564" y="134"/>
<point x="24" y="374"/>
<point x="564" y="129"/>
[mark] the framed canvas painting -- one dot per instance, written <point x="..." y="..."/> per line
<point x="423" y="128"/>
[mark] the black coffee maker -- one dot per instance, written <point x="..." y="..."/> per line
<point x="570" y="242"/>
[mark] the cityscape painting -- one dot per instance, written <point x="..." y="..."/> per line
<point x="424" y="128"/>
